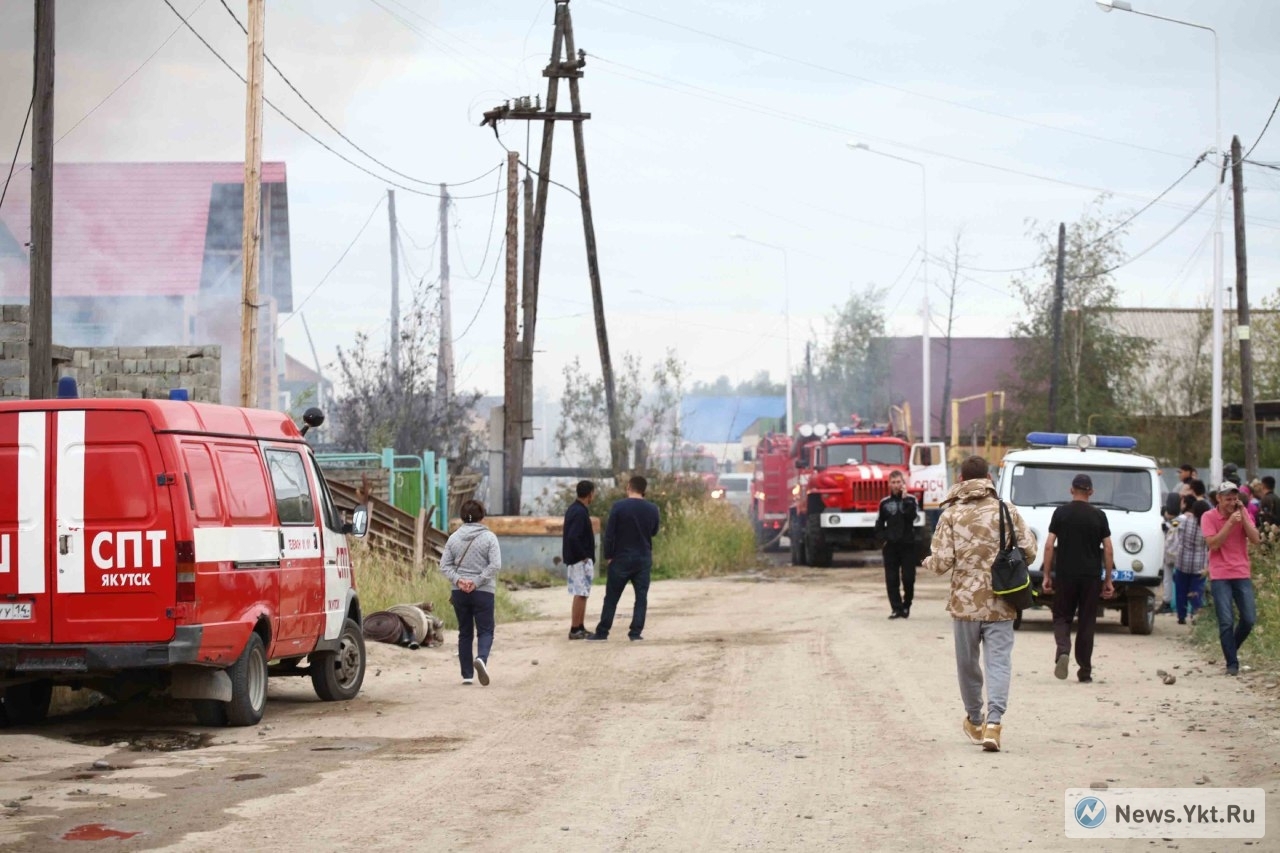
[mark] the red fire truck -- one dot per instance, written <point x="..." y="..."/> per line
<point x="839" y="479"/>
<point x="771" y="489"/>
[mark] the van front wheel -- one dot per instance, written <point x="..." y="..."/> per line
<point x="338" y="675"/>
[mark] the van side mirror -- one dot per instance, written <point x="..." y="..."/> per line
<point x="359" y="524"/>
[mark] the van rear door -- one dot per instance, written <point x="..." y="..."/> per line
<point x="25" y="551"/>
<point x="113" y="578"/>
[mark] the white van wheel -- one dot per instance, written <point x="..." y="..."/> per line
<point x="338" y="675"/>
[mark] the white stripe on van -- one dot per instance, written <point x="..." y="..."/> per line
<point x="31" y="494"/>
<point x="70" y="499"/>
<point x="237" y="544"/>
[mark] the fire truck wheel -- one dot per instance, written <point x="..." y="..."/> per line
<point x="338" y="675"/>
<point x="816" y="542"/>
<point x="26" y="704"/>
<point x="796" y="535"/>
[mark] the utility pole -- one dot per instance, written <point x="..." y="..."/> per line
<point x="395" y="291"/>
<point x="570" y="68"/>
<point x="1242" y="308"/>
<point x="252" y="235"/>
<point x="1059" y="293"/>
<point x="40" y="328"/>
<point x="512" y="395"/>
<point x="444" y="361"/>
<point x="808" y="378"/>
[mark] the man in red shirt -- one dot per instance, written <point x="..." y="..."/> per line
<point x="1228" y="530"/>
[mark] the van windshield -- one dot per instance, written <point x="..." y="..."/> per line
<point x="1113" y="488"/>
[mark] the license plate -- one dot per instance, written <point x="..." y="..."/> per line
<point x="16" y="611"/>
<point x="1121" y="574"/>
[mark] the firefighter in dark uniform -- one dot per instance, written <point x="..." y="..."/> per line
<point x="895" y="527"/>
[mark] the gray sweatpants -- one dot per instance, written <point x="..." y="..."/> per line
<point x="996" y="640"/>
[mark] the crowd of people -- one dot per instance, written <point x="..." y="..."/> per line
<point x="1207" y="541"/>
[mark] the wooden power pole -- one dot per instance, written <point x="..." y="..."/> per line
<point x="252" y="237"/>
<point x="395" y="291"/>
<point x="40" y="329"/>
<point x="444" y="359"/>
<point x="567" y="63"/>
<point x="1242" y="309"/>
<point x="1059" y="294"/>
<point x="512" y="395"/>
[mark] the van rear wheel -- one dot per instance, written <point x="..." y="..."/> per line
<point x="26" y="704"/>
<point x="248" y="690"/>
<point x="338" y="675"/>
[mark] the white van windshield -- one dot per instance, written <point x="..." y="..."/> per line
<point x="1113" y="488"/>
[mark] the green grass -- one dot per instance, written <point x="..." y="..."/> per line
<point x="383" y="582"/>
<point x="1262" y="650"/>
<point x="701" y="538"/>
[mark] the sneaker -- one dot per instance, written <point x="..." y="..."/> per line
<point x="633" y="639"/>
<point x="1086" y="679"/>
<point x="991" y="737"/>
<point x="973" y="731"/>
<point x="599" y="638"/>
<point x="906" y="611"/>
<point x="466" y="682"/>
<point x="578" y="634"/>
<point x="1061" y="666"/>
<point x="897" y="614"/>
<point x="482" y="672"/>
<point x="1182" y="620"/>
<point x="1233" y="670"/>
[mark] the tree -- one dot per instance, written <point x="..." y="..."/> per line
<point x="850" y="372"/>
<point x="380" y="408"/>
<point x="760" y="385"/>
<point x="646" y="412"/>
<point x="1100" y="366"/>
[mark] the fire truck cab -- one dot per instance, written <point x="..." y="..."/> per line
<point x="178" y="545"/>
<point x="839" y="479"/>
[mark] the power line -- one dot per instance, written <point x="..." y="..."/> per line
<point x="493" y="220"/>
<point x="21" y="135"/>
<point x="330" y="124"/>
<point x="1167" y="235"/>
<point x="530" y="169"/>
<point x="772" y="112"/>
<point x="849" y="75"/>
<point x="484" y="298"/>
<point x="302" y="129"/>
<point x="457" y="56"/>
<point x="298" y="307"/>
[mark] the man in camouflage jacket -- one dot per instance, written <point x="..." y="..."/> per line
<point x="965" y="543"/>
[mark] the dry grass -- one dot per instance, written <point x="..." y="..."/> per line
<point x="701" y="538"/>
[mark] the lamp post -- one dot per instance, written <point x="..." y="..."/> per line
<point x="1215" y="416"/>
<point x="925" y="385"/>
<point x="786" y="313"/>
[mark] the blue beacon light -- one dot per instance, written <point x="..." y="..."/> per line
<point x="1082" y="440"/>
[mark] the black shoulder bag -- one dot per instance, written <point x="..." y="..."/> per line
<point x="1010" y="580"/>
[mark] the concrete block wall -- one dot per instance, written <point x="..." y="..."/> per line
<point x="134" y="372"/>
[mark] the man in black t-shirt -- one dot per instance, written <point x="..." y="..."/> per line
<point x="1076" y="551"/>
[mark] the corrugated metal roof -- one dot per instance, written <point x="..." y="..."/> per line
<point x="131" y="229"/>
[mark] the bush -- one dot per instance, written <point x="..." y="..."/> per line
<point x="383" y="582"/>
<point x="1262" y="649"/>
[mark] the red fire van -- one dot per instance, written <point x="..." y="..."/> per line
<point x="176" y="544"/>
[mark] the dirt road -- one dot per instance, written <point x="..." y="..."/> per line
<point x="779" y="711"/>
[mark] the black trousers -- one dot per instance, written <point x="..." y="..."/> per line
<point x="623" y="570"/>
<point x="1076" y="597"/>
<point x="900" y="569"/>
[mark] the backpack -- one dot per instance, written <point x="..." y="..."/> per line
<point x="1172" y="544"/>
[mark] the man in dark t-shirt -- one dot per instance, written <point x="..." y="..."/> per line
<point x="1076" y="552"/>
<point x="628" y="551"/>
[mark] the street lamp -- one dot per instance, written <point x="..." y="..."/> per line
<point x="1215" y="416"/>
<point x="786" y="312"/>
<point x="926" y="386"/>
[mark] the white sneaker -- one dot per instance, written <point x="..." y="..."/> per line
<point x="467" y="681"/>
<point x="482" y="672"/>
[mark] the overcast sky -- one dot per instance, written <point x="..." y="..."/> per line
<point x="709" y="119"/>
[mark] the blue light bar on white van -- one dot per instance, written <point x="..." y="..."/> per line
<point x="1082" y="440"/>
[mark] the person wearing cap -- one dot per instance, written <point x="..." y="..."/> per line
<point x="1228" y="530"/>
<point x="1077" y="552"/>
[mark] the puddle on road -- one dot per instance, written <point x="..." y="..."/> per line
<point x="96" y="832"/>
<point x="146" y="741"/>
